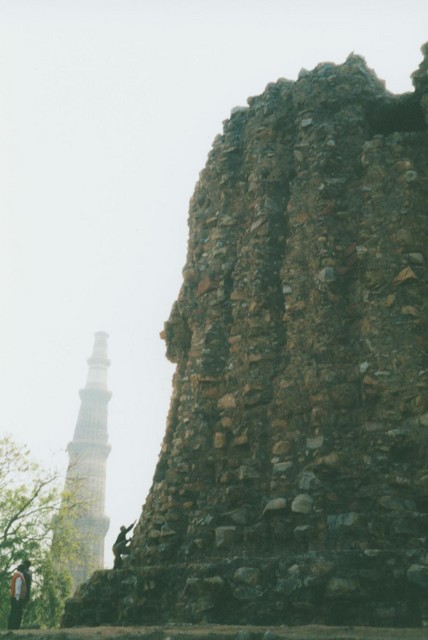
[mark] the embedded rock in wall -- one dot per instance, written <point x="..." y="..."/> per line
<point x="292" y="485"/>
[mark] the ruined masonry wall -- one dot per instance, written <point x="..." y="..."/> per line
<point x="292" y="485"/>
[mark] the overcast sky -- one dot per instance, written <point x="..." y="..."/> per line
<point x="108" y="109"/>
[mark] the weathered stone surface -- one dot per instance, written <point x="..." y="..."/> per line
<point x="341" y="588"/>
<point x="276" y="504"/>
<point x="418" y="574"/>
<point x="247" y="575"/>
<point x="297" y="441"/>
<point x="302" y="503"/>
<point x="225" y="537"/>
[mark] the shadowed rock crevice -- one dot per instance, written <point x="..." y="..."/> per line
<point x="399" y="113"/>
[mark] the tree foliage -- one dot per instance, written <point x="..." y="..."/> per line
<point x="36" y="523"/>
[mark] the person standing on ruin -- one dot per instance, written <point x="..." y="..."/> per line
<point x="17" y="598"/>
<point x="120" y="547"/>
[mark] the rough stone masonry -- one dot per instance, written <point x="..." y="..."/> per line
<point x="292" y="484"/>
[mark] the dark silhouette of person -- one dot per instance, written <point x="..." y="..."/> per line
<point x="120" y="547"/>
<point x="17" y="597"/>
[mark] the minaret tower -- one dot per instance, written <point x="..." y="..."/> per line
<point x="88" y="454"/>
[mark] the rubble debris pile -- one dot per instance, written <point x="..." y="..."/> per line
<point x="292" y="485"/>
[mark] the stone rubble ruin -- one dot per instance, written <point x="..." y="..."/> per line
<point x="292" y="484"/>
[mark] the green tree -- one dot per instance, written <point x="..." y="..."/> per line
<point x="36" y="523"/>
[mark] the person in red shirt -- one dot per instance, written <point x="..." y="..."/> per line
<point x="18" y="591"/>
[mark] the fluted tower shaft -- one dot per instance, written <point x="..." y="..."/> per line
<point x="88" y="454"/>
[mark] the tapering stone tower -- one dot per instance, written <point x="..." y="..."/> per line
<point x="88" y="454"/>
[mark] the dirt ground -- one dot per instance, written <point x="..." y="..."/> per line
<point x="218" y="632"/>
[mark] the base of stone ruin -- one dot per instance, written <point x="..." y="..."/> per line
<point x="369" y="588"/>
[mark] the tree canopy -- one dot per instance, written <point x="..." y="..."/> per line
<point x="36" y="523"/>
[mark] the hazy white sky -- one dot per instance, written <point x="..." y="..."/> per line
<point x="108" y="109"/>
